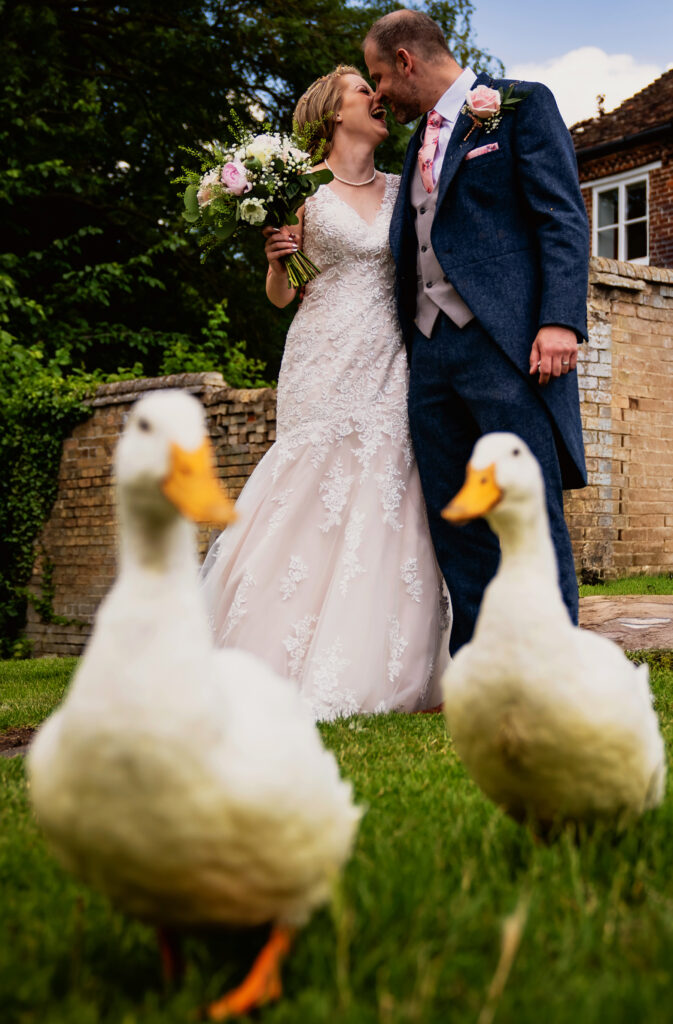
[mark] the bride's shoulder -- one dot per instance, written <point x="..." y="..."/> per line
<point x="393" y="181"/>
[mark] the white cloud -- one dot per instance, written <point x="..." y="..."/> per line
<point x="576" y="78"/>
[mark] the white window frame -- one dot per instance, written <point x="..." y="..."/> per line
<point x="620" y="182"/>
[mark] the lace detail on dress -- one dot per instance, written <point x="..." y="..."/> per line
<point x="296" y="573"/>
<point x="409" y="575"/>
<point x="297" y="645"/>
<point x="238" y="605"/>
<point x="352" y="567"/>
<point x="397" y="645"/>
<point x="334" y="490"/>
<point x="330" y="698"/>
<point x="282" y="504"/>
<point x="331" y="385"/>
<point x="391" y="489"/>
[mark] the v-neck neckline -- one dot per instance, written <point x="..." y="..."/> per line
<point x="370" y="224"/>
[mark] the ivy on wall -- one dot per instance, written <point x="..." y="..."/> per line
<point x="39" y="406"/>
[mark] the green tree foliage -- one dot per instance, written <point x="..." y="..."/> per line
<point x="98" y="276"/>
<point x="97" y="98"/>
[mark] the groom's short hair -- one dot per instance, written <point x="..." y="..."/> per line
<point x="410" y="30"/>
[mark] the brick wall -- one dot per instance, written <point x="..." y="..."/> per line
<point x="79" y="542"/>
<point x="622" y="523"/>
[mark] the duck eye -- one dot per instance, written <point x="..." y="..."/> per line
<point x="144" y="425"/>
<point x="516" y="451"/>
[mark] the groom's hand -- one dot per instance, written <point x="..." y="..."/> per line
<point x="554" y="352"/>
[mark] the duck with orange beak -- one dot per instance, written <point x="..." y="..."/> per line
<point x="552" y="721"/>
<point x="187" y="783"/>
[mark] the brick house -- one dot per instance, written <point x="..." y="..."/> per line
<point x="625" y="161"/>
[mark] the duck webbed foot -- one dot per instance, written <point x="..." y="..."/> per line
<point x="263" y="983"/>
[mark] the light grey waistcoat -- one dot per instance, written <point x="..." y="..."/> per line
<point x="434" y="291"/>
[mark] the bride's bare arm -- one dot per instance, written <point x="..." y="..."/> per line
<point x="281" y="242"/>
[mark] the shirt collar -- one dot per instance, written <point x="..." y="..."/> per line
<point x="450" y="103"/>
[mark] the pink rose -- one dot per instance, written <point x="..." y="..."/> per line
<point x="233" y="178"/>
<point x="483" y="102"/>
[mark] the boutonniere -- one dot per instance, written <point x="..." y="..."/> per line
<point x="486" y="106"/>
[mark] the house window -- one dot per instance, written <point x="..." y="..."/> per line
<point x="621" y="218"/>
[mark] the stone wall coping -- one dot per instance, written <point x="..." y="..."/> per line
<point x="601" y="268"/>
<point x="121" y="391"/>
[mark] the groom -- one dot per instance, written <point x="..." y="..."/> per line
<point x="490" y="241"/>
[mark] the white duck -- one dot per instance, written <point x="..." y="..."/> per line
<point x="553" y="722"/>
<point x="188" y="783"/>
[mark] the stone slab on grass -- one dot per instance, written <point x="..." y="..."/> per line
<point x="634" y="621"/>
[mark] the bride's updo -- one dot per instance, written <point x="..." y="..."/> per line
<point x="319" y="106"/>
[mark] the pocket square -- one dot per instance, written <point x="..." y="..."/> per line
<point x="480" y="150"/>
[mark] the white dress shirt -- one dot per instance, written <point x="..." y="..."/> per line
<point x="449" y="106"/>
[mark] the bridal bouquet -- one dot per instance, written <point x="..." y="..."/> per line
<point x="257" y="181"/>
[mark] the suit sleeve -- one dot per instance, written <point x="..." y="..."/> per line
<point x="547" y="172"/>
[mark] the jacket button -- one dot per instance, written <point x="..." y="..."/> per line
<point x="428" y="284"/>
<point x="424" y="248"/>
<point x="422" y="209"/>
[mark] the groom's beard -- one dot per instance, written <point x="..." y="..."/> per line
<point x="405" y="104"/>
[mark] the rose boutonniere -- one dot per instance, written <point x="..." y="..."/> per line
<point x="486" y="106"/>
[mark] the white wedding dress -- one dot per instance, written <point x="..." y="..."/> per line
<point x="329" y="574"/>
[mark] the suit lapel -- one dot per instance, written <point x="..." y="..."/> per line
<point x="404" y="200"/>
<point x="458" y="144"/>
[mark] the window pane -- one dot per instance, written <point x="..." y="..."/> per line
<point x="636" y="200"/>
<point x="607" y="243"/>
<point x="608" y="205"/>
<point x="636" y="240"/>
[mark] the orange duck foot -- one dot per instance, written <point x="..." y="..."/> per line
<point x="262" y="985"/>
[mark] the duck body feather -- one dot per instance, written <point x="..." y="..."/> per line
<point x="553" y="722"/>
<point x="190" y="789"/>
<point x="188" y="783"/>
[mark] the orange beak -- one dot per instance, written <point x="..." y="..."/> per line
<point x="478" y="495"/>
<point x="193" y="487"/>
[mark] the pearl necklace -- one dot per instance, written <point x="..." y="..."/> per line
<point x="356" y="184"/>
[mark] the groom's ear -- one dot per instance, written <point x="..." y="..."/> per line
<point x="404" y="61"/>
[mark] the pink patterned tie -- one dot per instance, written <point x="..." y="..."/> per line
<point x="426" y="153"/>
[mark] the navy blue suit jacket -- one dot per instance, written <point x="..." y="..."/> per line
<point x="511" y="234"/>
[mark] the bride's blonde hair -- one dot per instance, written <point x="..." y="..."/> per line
<point x="319" y="106"/>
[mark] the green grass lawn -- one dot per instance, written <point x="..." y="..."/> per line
<point x="416" y="933"/>
<point x="630" y="585"/>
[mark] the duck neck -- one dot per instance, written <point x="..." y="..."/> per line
<point x="525" y="541"/>
<point x="159" y="544"/>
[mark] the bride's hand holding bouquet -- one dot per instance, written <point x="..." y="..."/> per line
<point x="258" y="181"/>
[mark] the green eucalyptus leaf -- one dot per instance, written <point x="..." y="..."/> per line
<point x="191" y="201"/>
<point x="224" y="231"/>
<point x="322" y="177"/>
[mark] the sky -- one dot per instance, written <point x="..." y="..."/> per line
<point x="579" y="48"/>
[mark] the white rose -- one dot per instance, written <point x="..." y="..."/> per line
<point x="263" y="148"/>
<point x="253" y="211"/>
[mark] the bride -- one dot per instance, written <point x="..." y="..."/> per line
<point x="329" y="573"/>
